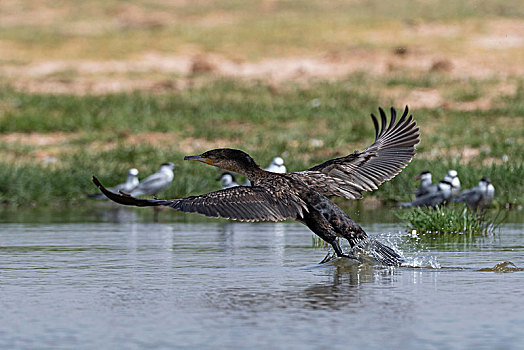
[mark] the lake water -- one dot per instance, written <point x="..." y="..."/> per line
<point x="121" y="281"/>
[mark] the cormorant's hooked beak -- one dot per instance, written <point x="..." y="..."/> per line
<point x="199" y="158"/>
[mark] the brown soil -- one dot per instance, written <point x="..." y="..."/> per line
<point x="89" y="77"/>
<point x="35" y="139"/>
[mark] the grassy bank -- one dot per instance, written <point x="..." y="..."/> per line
<point x="456" y="219"/>
<point x="52" y="144"/>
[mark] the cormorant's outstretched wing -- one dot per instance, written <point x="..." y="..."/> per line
<point x="238" y="203"/>
<point x="348" y="176"/>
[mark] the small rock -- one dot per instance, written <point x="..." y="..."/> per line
<point x="201" y="65"/>
<point x="400" y="50"/>
<point x="442" y="65"/>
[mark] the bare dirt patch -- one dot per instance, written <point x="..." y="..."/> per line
<point x="184" y="144"/>
<point x="100" y="77"/>
<point x="35" y="139"/>
<point x="163" y="46"/>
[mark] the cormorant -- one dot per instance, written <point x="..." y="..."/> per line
<point x="303" y="196"/>
<point x="228" y="180"/>
<point x="441" y="196"/>
<point x="426" y="184"/>
<point x="479" y="196"/>
<point x="276" y="166"/>
<point x="156" y="182"/>
<point x="126" y="187"/>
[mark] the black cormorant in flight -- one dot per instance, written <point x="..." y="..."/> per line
<point x="303" y="195"/>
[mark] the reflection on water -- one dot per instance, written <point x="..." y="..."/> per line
<point x="128" y="282"/>
<point x="96" y="211"/>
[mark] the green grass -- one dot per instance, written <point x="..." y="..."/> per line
<point x="448" y="220"/>
<point x="256" y="118"/>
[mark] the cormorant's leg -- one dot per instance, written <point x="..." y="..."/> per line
<point x="339" y="252"/>
<point x="350" y="230"/>
<point x="329" y="256"/>
<point x="347" y="227"/>
<point x="337" y="248"/>
<point x="322" y="228"/>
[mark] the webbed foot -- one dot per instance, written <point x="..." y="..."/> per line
<point x="338" y="253"/>
<point x="330" y="256"/>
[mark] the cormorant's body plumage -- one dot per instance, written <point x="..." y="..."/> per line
<point x="302" y="196"/>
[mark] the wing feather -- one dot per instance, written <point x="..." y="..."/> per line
<point x="253" y="203"/>
<point x="348" y="176"/>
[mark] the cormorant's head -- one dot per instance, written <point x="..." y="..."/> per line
<point x="227" y="159"/>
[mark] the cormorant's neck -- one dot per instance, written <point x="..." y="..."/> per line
<point x="253" y="173"/>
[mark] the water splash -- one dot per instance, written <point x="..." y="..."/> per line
<point x="418" y="259"/>
<point x="384" y="249"/>
<point x="421" y="261"/>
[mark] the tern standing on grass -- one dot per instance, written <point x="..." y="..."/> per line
<point x="126" y="187"/>
<point x="156" y="182"/>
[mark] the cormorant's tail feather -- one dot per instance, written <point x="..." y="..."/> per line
<point x="380" y="252"/>
<point x="385" y="255"/>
